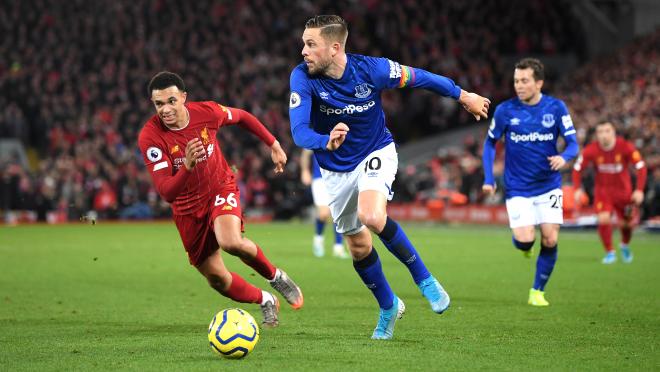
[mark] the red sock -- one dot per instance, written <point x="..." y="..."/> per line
<point x="626" y="234"/>
<point x="605" y="232"/>
<point x="242" y="291"/>
<point x="261" y="265"/>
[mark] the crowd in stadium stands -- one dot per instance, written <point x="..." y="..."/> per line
<point x="73" y="79"/>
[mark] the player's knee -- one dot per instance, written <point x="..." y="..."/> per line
<point x="372" y="220"/>
<point x="218" y="281"/>
<point x="324" y="214"/>
<point x="604" y="219"/>
<point x="549" y="241"/>
<point x="232" y="245"/>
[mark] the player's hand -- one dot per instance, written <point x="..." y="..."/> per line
<point x="637" y="197"/>
<point x="337" y="136"/>
<point x="474" y="104"/>
<point x="279" y="157"/>
<point x="556" y="162"/>
<point x="194" y="152"/>
<point x="306" y="177"/>
<point x="488" y="189"/>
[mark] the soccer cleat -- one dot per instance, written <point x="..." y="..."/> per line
<point x="609" y="258"/>
<point x="626" y="255"/>
<point x="317" y="246"/>
<point x="385" y="328"/>
<point x="339" y="251"/>
<point x="270" y="311"/>
<point x="537" y="298"/>
<point x="288" y="289"/>
<point x="437" y="296"/>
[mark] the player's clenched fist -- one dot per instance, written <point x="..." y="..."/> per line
<point x="194" y="152"/>
<point x="337" y="136"/>
<point x="279" y="157"/>
<point x="488" y="189"/>
<point x="475" y="104"/>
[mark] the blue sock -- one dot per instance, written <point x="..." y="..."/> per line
<point x="523" y="246"/>
<point x="397" y="242"/>
<point x="319" y="226"/>
<point x="339" y="238"/>
<point x="371" y="272"/>
<point x="544" y="265"/>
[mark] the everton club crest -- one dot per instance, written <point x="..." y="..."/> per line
<point x="362" y="90"/>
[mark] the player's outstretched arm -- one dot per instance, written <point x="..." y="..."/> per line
<point x="279" y="156"/>
<point x="474" y="104"/>
<point x="488" y="158"/>
<point x="337" y="136"/>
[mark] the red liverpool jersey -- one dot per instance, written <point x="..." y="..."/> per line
<point x="163" y="150"/>
<point x="612" y="167"/>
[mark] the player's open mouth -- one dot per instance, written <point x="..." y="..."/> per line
<point x="168" y="117"/>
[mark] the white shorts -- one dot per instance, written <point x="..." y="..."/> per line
<point x="319" y="193"/>
<point x="375" y="172"/>
<point x="535" y="210"/>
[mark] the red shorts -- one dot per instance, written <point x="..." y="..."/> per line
<point x="196" y="229"/>
<point x="615" y="202"/>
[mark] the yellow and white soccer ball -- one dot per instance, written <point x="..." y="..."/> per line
<point x="233" y="333"/>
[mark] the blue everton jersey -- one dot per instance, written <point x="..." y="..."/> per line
<point x="316" y="171"/>
<point x="531" y="134"/>
<point x="318" y="103"/>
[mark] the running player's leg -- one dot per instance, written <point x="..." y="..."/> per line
<point x="605" y="234"/>
<point x="375" y="178"/>
<point x="200" y="243"/>
<point x="322" y="215"/>
<point x="522" y="221"/>
<point x="227" y="229"/>
<point x="549" y="215"/>
<point x="320" y="197"/>
<point x="343" y="191"/>
<point x="367" y="264"/>
<point x="626" y="213"/>
<point x="545" y="263"/>
<point x="235" y="287"/>
<point x="604" y="209"/>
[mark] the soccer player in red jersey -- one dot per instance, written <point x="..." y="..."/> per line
<point x="182" y="154"/>
<point x="612" y="157"/>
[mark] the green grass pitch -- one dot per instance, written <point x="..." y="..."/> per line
<point x="122" y="296"/>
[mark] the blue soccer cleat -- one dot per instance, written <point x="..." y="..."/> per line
<point x="609" y="258"/>
<point x="433" y="291"/>
<point x="385" y="328"/>
<point x="626" y="254"/>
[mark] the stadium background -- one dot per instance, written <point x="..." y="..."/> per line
<point x="73" y="94"/>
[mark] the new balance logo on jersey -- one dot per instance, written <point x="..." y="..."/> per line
<point x="532" y="137"/>
<point x="347" y="110"/>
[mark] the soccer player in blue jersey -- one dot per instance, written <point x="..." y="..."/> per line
<point x="531" y="123"/>
<point x="335" y="110"/>
<point x="310" y="175"/>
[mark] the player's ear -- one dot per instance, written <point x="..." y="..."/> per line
<point x="539" y="84"/>
<point x="336" y="47"/>
<point x="184" y="95"/>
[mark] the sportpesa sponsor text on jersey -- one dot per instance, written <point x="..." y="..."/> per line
<point x="318" y="103"/>
<point x="531" y="133"/>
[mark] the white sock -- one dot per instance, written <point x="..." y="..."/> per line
<point x="278" y="274"/>
<point x="266" y="296"/>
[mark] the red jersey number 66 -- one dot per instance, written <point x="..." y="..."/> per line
<point x="231" y="200"/>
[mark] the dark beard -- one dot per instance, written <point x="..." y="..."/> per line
<point x="321" y="69"/>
